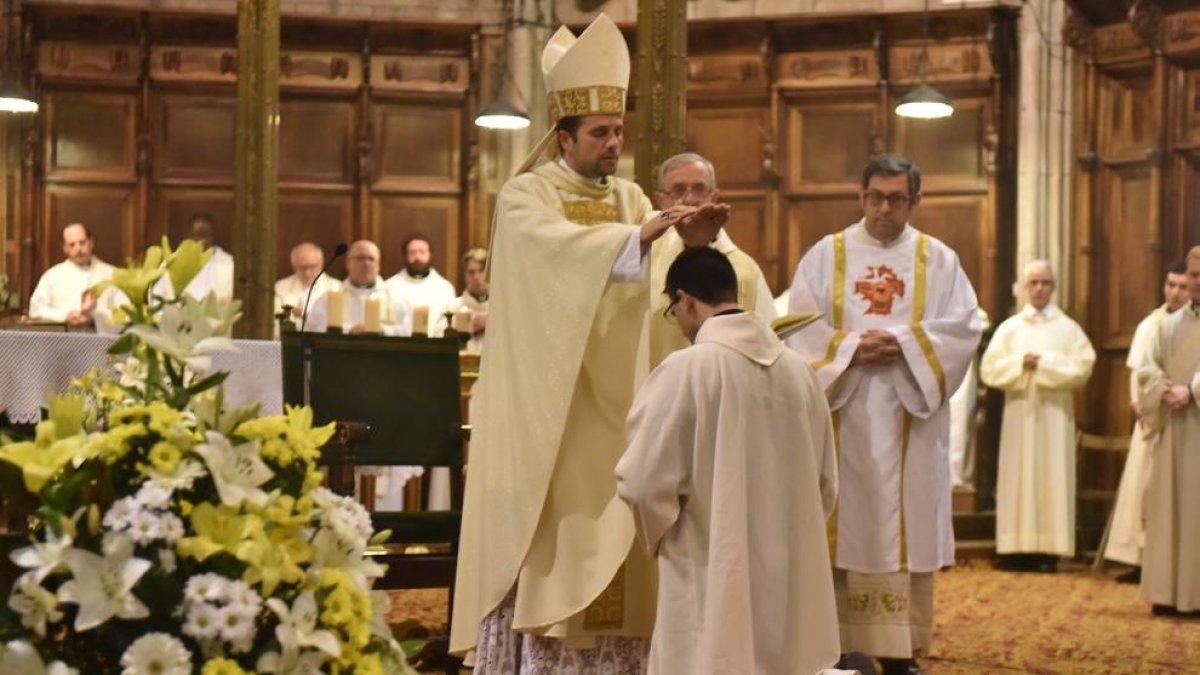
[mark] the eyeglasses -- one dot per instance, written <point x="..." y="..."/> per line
<point x="895" y="200"/>
<point x="681" y="191"/>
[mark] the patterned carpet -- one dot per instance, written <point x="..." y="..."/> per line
<point x="989" y="621"/>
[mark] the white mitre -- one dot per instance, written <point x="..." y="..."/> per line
<point x="585" y="75"/>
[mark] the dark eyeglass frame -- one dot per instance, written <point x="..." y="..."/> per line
<point x="894" y="200"/>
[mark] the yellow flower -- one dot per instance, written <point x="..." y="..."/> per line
<point x="165" y="457"/>
<point x="40" y="459"/>
<point x="274" y="560"/>
<point x="222" y="667"/>
<point x="158" y="416"/>
<point x="114" y="443"/>
<point x="185" y="262"/>
<point x="135" y="281"/>
<point x="66" y="412"/>
<point x="218" y="528"/>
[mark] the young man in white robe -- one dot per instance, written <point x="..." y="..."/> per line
<point x="897" y="332"/>
<point x="731" y="475"/>
<point x="549" y="580"/>
<point x="1038" y="358"/>
<point x="1170" y="400"/>
<point x="426" y="291"/>
<point x="689" y="179"/>
<point x="1127" y="531"/>
<point x="63" y="294"/>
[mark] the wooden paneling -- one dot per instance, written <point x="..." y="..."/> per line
<point x="739" y="164"/>
<point x="814" y="70"/>
<point x="828" y="144"/>
<point x="90" y="136"/>
<point x="749" y="227"/>
<point x="948" y="150"/>
<point x="395" y="218"/>
<point x="962" y="62"/>
<point x="316" y="141"/>
<point x="110" y="63"/>
<point x="432" y="74"/>
<point x="322" y="219"/>
<point x="107" y="212"/>
<point x="174" y="208"/>
<point x="418" y="146"/>
<point x="194" y="137"/>
<point x="1128" y="118"/>
<point x="961" y="223"/>
<point x="1187" y="108"/>
<point x="811" y="219"/>
<point x="1131" y="268"/>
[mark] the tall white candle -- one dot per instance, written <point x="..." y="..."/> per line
<point x="334" y="309"/>
<point x="371" y="315"/>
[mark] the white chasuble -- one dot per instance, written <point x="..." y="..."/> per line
<point x="541" y="507"/>
<point x="731" y="473"/>
<point x="1171" y="558"/>
<point x="1035" y="485"/>
<point x="1127" y="534"/>
<point x="891" y="421"/>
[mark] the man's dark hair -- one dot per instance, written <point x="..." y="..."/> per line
<point x="893" y="165"/>
<point x="704" y="274"/>
<point x="1177" y="267"/>
<point x="570" y="125"/>
<point x="416" y="237"/>
<point x="203" y="215"/>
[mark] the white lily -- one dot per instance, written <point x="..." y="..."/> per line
<point x="103" y="585"/>
<point x="185" y="473"/>
<point x="43" y="558"/>
<point x="190" y="331"/>
<point x="298" y="626"/>
<point x="35" y="604"/>
<point x="20" y="657"/>
<point x="330" y="551"/>
<point x="292" y="663"/>
<point x="237" y="470"/>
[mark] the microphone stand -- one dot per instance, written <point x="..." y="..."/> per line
<point x="307" y="346"/>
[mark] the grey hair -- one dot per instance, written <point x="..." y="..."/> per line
<point x="681" y="159"/>
<point x="1040" y="262"/>
<point x="893" y="165"/>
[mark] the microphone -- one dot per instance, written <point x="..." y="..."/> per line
<point x="337" y="253"/>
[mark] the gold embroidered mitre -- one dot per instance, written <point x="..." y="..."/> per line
<point x="587" y="75"/>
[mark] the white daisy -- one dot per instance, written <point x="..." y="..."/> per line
<point x="206" y="588"/>
<point x="156" y="654"/>
<point x="203" y="622"/>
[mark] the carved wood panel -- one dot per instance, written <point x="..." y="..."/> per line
<point x="418" y="146"/>
<point x="441" y="74"/>
<point x="1128" y="257"/>
<point x="322" y="219"/>
<point x="194" y="137"/>
<point x="1187" y="107"/>
<point x="739" y="164"/>
<point x="117" y="64"/>
<point x="811" y="70"/>
<point x="948" y="150"/>
<point x="961" y="222"/>
<point x="827" y="144"/>
<point x="961" y="62"/>
<point x="193" y="63"/>
<point x="743" y="74"/>
<point x="810" y="219"/>
<point x="317" y="141"/>
<point x="107" y="212"/>
<point x="90" y="136"/>
<point x="395" y="218"/>
<point x="750" y="230"/>
<point x="1128" y="120"/>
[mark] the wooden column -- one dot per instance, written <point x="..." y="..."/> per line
<point x="255" y="201"/>
<point x="661" y="108"/>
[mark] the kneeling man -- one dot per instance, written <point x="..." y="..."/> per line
<point x="731" y="474"/>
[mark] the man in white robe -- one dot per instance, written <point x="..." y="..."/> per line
<point x="1127" y="531"/>
<point x="291" y="291"/>
<point x="427" y="292"/>
<point x="63" y="294"/>
<point x="1038" y="358"/>
<point x="471" y="308"/>
<point x="1170" y="400"/>
<point x="898" y="330"/>
<point x="731" y="475"/>
<point x="549" y="581"/>
<point x="217" y="274"/>
<point x="690" y="179"/>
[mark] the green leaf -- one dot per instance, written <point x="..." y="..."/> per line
<point x="208" y="383"/>
<point x="123" y="345"/>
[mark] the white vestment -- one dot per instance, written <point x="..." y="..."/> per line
<point x="395" y="312"/>
<point x="1127" y="533"/>
<point x="891" y="421"/>
<point x="468" y="307"/>
<point x="753" y="293"/>
<point x="60" y="292"/>
<point x="962" y="422"/>
<point x="1035" y="484"/>
<point x="1171" y="558"/>
<point x="731" y="474"/>
<point x="293" y="292"/>
<point x="432" y="292"/>
<point x="215" y="277"/>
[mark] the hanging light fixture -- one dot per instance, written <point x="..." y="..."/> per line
<point x="503" y="112"/>
<point x="13" y="98"/>
<point x="924" y="102"/>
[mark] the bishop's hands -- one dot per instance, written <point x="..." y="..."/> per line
<point x="1176" y="396"/>
<point x="696" y="225"/>
<point x="876" y="348"/>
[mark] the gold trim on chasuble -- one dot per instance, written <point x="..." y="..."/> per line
<point x="607" y="611"/>
<point x="839" y="334"/>
<point x="580" y="101"/>
<point x="589" y="212"/>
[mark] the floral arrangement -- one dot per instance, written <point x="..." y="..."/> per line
<point x="173" y="534"/>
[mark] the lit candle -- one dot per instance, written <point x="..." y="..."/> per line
<point x="334" y="309"/>
<point x="421" y="320"/>
<point x="371" y="315"/>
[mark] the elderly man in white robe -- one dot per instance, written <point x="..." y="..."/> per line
<point x="307" y="260"/>
<point x="690" y="179"/>
<point x="897" y="332"/>
<point x="1170" y="400"/>
<point x="549" y="581"/>
<point x="426" y="291"/>
<point x="731" y="474"/>
<point x="64" y="295"/>
<point x="1127" y="530"/>
<point x="1038" y="357"/>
